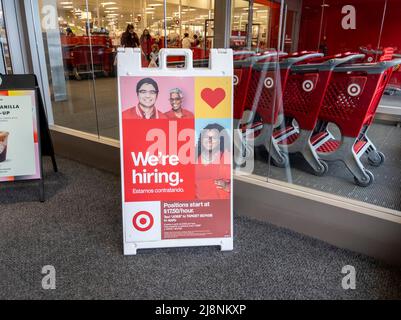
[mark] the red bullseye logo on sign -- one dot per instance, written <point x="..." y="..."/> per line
<point x="143" y="221"/>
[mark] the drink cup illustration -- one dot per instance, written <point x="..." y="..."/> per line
<point x="3" y="145"/>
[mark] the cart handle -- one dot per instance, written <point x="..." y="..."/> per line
<point x="306" y="57"/>
<point x="256" y="59"/>
<point x="392" y="63"/>
<point x="374" y="68"/>
<point x="352" y="57"/>
<point x="291" y="61"/>
<point x="326" y="65"/>
<point x="240" y="53"/>
<point x="267" y="55"/>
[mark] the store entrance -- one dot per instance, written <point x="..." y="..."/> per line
<point x="80" y="40"/>
<point x="256" y="24"/>
<point x="9" y="42"/>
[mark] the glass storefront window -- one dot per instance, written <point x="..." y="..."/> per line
<point x="239" y="20"/>
<point x="265" y="25"/>
<point x="296" y="44"/>
<point x="325" y="132"/>
<point x="70" y="67"/>
<point x="81" y="43"/>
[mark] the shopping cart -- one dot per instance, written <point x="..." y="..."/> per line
<point x="86" y="56"/>
<point x="264" y="100"/>
<point x="303" y="96"/>
<point x="243" y="125"/>
<point x="243" y="63"/>
<point x="350" y="102"/>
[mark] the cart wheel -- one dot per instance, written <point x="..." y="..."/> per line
<point x="240" y="165"/>
<point x="376" y="158"/>
<point x="368" y="182"/>
<point x="282" y="162"/>
<point x="258" y="138"/>
<point x="240" y="162"/>
<point x="247" y="153"/>
<point x="76" y="74"/>
<point x="323" y="170"/>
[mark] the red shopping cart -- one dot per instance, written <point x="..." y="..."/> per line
<point x="243" y="63"/>
<point x="350" y="102"/>
<point x="303" y="96"/>
<point x="86" y="56"/>
<point x="264" y="100"/>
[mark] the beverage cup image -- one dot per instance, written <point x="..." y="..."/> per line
<point x="3" y="145"/>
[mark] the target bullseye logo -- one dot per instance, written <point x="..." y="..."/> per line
<point x="307" y="85"/>
<point x="235" y="80"/>
<point x="269" y="83"/>
<point x="143" y="221"/>
<point x="354" y="89"/>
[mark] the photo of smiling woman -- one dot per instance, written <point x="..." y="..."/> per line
<point x="213" y="168"/>
<point x="176" y="102"/>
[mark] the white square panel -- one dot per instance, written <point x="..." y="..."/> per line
<point x="142" y="221"/>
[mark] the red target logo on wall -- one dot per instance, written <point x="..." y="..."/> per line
<point x="143" y="221"/>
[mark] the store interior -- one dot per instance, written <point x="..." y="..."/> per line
<point x="85" y="99"/>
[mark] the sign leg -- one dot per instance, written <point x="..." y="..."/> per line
<point x="55" y="167"/>
<point x="42" y="190"/>
<point x="227" y="245"/>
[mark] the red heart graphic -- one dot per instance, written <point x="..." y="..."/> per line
<point x="213" y="97"/>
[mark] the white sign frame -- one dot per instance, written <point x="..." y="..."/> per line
<point x="129" y="64"/>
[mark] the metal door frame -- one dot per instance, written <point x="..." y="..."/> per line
<point x="16" y="35"/>
<point x="37" y="52"/>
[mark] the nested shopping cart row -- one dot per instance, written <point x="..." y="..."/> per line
<point x="286" y="103"/>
